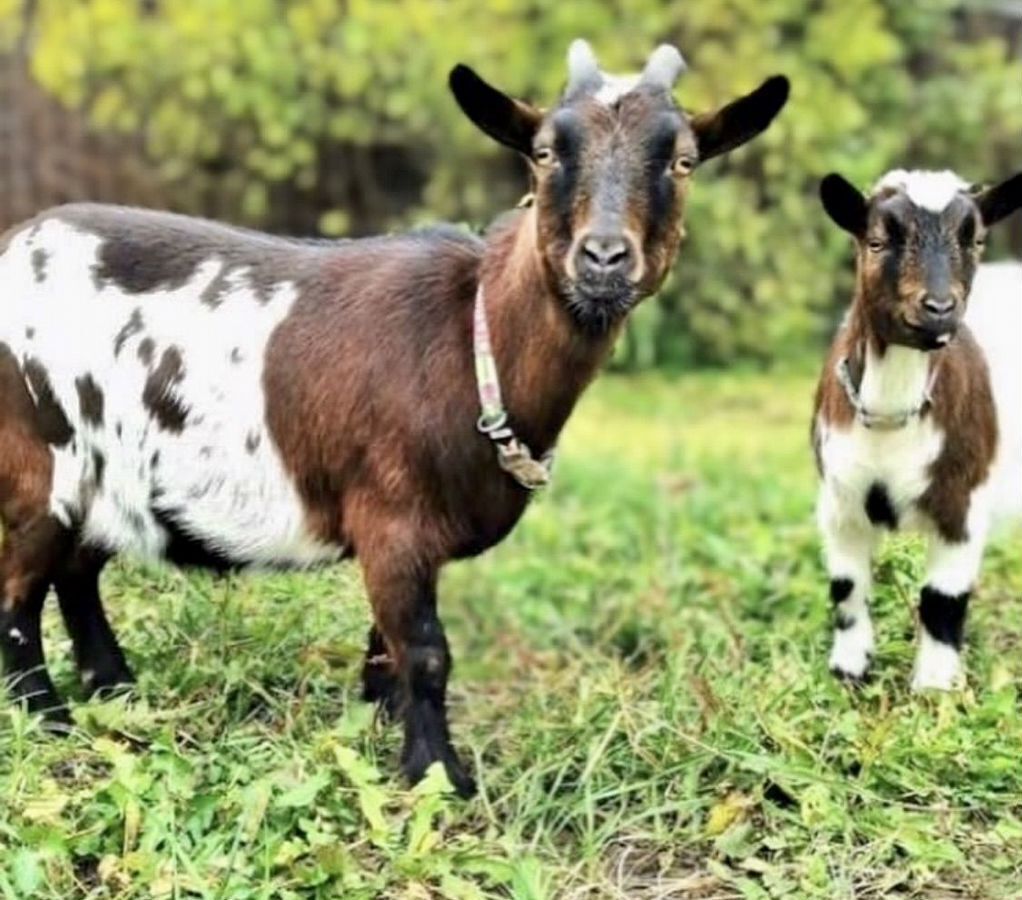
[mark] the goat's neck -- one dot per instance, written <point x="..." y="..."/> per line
<point x="544" y="362"/>
<point x="892" y="378"/>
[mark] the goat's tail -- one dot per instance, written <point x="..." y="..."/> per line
<point x="995" y="317"/>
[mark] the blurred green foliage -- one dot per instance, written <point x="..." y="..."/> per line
<point x="246" y="98"/>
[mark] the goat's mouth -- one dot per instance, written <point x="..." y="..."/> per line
<point x="931" y="335"/>
<point x="597" y="306"/>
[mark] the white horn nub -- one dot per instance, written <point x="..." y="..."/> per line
<point x="664" y="68"/>
<point x="583" y="69"/>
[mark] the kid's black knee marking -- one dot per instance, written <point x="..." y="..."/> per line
<point x="841" y="589"/>
<point x="943" y="615"/>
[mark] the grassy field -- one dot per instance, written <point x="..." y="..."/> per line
<point x="641" y="683"/>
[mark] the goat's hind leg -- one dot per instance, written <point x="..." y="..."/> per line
<point x="26" y="564"/>
<point x="99" y="658"/>
<point x="848" y="549"/>
<point x="379" y="681"/>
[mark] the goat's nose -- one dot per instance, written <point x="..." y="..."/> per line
<point x="938" y="305"/>
<point x="605" y="254"/>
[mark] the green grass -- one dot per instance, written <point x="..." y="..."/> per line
<point x="641" y="685"/>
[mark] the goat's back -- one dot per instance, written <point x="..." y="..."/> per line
<point x="146" y="338"/>
<point x="995" y="317"/>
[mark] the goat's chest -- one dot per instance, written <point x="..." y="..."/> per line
<point x="875" y="476"/>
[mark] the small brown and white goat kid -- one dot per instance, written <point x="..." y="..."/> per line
<point x="179" y="389"/>
<point x="918" y="416"/>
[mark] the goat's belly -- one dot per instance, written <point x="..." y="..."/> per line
<point x="858" y="459"/>
<point x="169" y="453"/>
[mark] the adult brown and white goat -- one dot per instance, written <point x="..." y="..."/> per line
<point x="183" y="390"/>
<point x="918" y="420"/>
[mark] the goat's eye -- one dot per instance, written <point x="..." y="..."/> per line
<point x="544" y="156"/>
<point x="683" y="165"/>
<point x="980" y="241"/>
<point x="876" y="245"/>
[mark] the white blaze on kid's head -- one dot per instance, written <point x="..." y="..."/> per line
<point x="933" y="191"/>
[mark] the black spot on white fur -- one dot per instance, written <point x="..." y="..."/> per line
<point x="879" y="509"/>
<point x="99" y="468"/>
<point x="158" y="395"/>
<point x="40" y="258"/>
<point x="51" y="420"/>
<point x="130" y="328"/>
<point x="943" y="615"/>
<point x="841" y="589"/>
<point x="90" y="400"/>
<point x="146" y="349"/>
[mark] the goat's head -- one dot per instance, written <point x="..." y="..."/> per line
<point x="919" y="237"/>
<point x="611" y="164"/>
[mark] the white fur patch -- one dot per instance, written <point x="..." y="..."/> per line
<point x="938" y="666"/>
<point x="995" y="317"/>
<point x="221" y="478"/>
<point x="929" y="190"/>
<point x="15" y="635"/>
<point x="853" y="647"/>
<point x="856" y="458"/>
<point x="614" y="87"/>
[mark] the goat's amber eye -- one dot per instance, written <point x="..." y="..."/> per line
<point x="683" y="165"/>
<point x="544" y="156"/>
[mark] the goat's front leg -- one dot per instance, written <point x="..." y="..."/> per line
<point x="848" y="550"/>
<point x="951" y="573"/>
<point x="403" y="598"/>
<point x="26" y="561"/>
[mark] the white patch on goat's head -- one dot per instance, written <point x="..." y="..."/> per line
<point x="929" y="190"/>
<point x="663" y="69"/>
<point x="15" y="635"/>
<point x="614" y="87"/>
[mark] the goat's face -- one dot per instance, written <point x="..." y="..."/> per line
<point x="919" y="239"/>
<point x="611" y="165"/>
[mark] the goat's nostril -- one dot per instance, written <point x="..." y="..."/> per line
<point x="605" y="254"/>
<point x="939" y="306"/>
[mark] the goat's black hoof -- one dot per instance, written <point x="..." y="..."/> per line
<point x="420" y="757"/>
<point x="57" y="721"/>
<point x="116" y="681"/>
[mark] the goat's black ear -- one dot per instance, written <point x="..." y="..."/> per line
<point x="845" y="204"/>
<point x="509" y="121"/>
<point x="1000" y="201"/>
<point x="741" y="120"/>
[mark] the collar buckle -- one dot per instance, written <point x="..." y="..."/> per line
<point x="513" y="455"/>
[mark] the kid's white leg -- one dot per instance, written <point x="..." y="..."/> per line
<point x="848" y="551"/>
<point x="951" y="575"/>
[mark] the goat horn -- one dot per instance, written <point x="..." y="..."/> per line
<point x="583" y="69"/>
<point x="664" y="68"/>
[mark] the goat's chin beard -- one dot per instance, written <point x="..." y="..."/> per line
<point x="598" y="309"/>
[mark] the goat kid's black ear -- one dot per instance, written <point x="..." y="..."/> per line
<point x="741" y="120"/>
<point x="1000" y="201"/>
<point x="509" y="121"/>
<point x="845" y="204"/>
